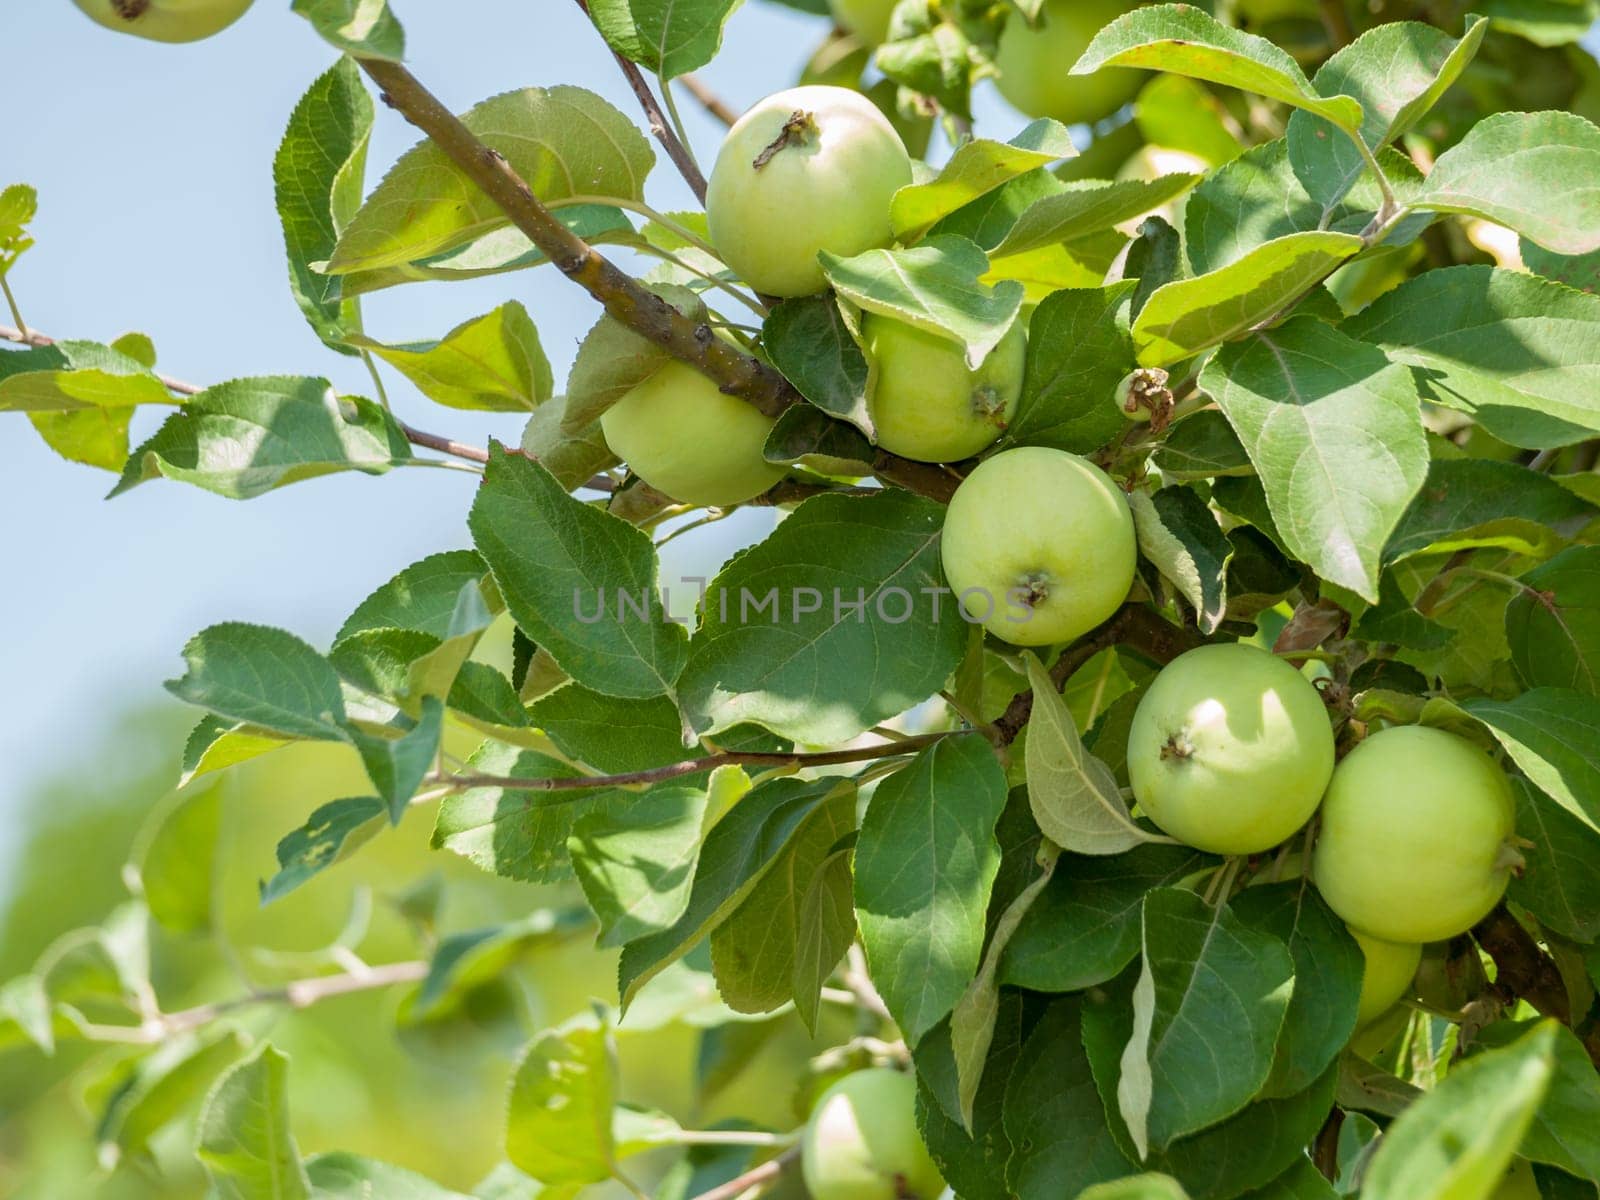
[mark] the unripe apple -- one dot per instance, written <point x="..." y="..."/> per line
<point x="867" y="19"/>
<point x="1230" y="749"/>
<point x="1038" y="545"/>
<point x="1033" y="63"/>
<point x="926" y="403"/>
<point x="1143" y="396"/>
<point x="1389" y="969"/>
<point x="166" y="20"/>
<point x="1518" y="1183"/>
<point x="685" y="438"/>
<point x="805" y="170"/>
<point x="862" y="1142"/>
<point x="1415" y="837"/>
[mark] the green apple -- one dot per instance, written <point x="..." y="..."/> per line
<point x="1390" y="967"/>
<point x="1415" y="839"/>
<point x="926" y="403"/>
<point x="1143" y="395"/>
<point x="166" y="20"/>
<point x="1518" y="1183"/>
<point x="867" y="19"/>
<point x="1038" y="545"/>
<point x="806" y="170"/>
<point x="861" y="1142"/>
<point x="1230" y="749"/>
<point x="1033" y="63"/>
<point x="685" y="438"/>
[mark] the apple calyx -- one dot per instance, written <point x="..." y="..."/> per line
<point x="131" y="10"/>
<point x="989" y="405"/>
<point x="799" y="129"/>
<point x="1177" y="746"/>
<point x="1510" y="858"/>
<point x="1143" y="395"/>
<point x="1032" y="589"/>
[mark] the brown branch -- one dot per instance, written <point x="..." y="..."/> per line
<point x="709" y="100"/>
<point x="1522" y="969"/>
<point x="693" y="766"/>
<point x="757" y="1176"/>
<point x="1336" y="21"/>
<point x="1134" y="625"/>
<point x="659" y="126"/>
<point x="1325" y="1149"/>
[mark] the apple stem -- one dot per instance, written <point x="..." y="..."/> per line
<point x="797" y="131"/>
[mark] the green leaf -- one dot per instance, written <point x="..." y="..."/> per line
<point x="825" y="927"/>
<point x="244" y="438"/>
<point x="398" y="765"/>
<point x="244" y="1142"/>
<point x="561" y="141"/>
<point x="424" y="596"/>
<point x="1183" y="40"/>
<point x="574" y="455"/>
<point x="1073" y="795"/>
<point x="775" y="648"/>
<point x="26" y="1016"/>
<point x="1210" y="1002"/>
<point x="1334" y="432"/>
<point x="1581" y="271"/>
<point x="925" y="862"/>
<point x="636" y="866"/>
<point x="575" y="578"/>
<point x="465" y="962"/>
<point x="1519" y="353"/>
<point x="933" y="286"/>
<point x="1468" y="503"/>
<point x="1053" y="1114"/>
<point x="76" y="377"/>
<point x="1398" y="71"/>
<point x="265" y="677"/>
<point x="1532" y="172"/>
<point x="363" y="28"/>
<point x="977" y="168"/>
<point x="317" y="175"/>
<point x="1088" y="206"/>
<point x="755" y="952"/>
<point x="515" y="832"/>
<point x="558" y="1125"/>
<point x="216" y="744"/>
<point x="1202" y="446"/>
<point x="1560" y="884"/>
<point x="330" y="835"/>
<point x="975" y="1165"/>
<point x="740" y="849"/>
<point x="1257" y="198"/>
<point x="493" y="363"/>
<point x="667" y="37"/>
<point x="1182" y="318"/>
<point x="1180" y="535"/>
<point x="802" y="430"/>
<point x="96" y="437"/>
<point x="340" y="1175"/>
<point x="810" y="342"/>
<point x="1554" y="627"/>
<point x="1553" y="734"/>
<point x="160" y="1087"/>
<point x="1560" y="1132"/>
<point x="175" y="861"/>
<point x="1457" y="1140"/>
<point x="19" y="204"/>
<point x="1328" y="966"/>
<point x="611" y="734"/>
<point x="974" y="1020"/>
<point x="1084" y="929"/>
<point x="1078" y="351"/>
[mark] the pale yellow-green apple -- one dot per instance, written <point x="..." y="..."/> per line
<point x="1389" y="968"/>
<point x="926" y="403"/>
<point x="1143" y="393"/>
<point x="1415" y="839"/>
<point x="1230" y="749"/>
<point x="685" y="438"/>
<point x="1518" y="1183"/>
<point x="1038" y="545"/>
<point x="166" y="20"/>
<point x="861" y="1142"/>
<point x="867" y="19"/>
<point x="806" y="170"/>
<point x="1034" y="63"/>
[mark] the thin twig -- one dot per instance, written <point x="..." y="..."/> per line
<point x="11" y="302"/>
<point x="755" y="1177"/>
<point x="676" y="150"/>
<point x="694" y="766"/>
<point x="709" y="100"/>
